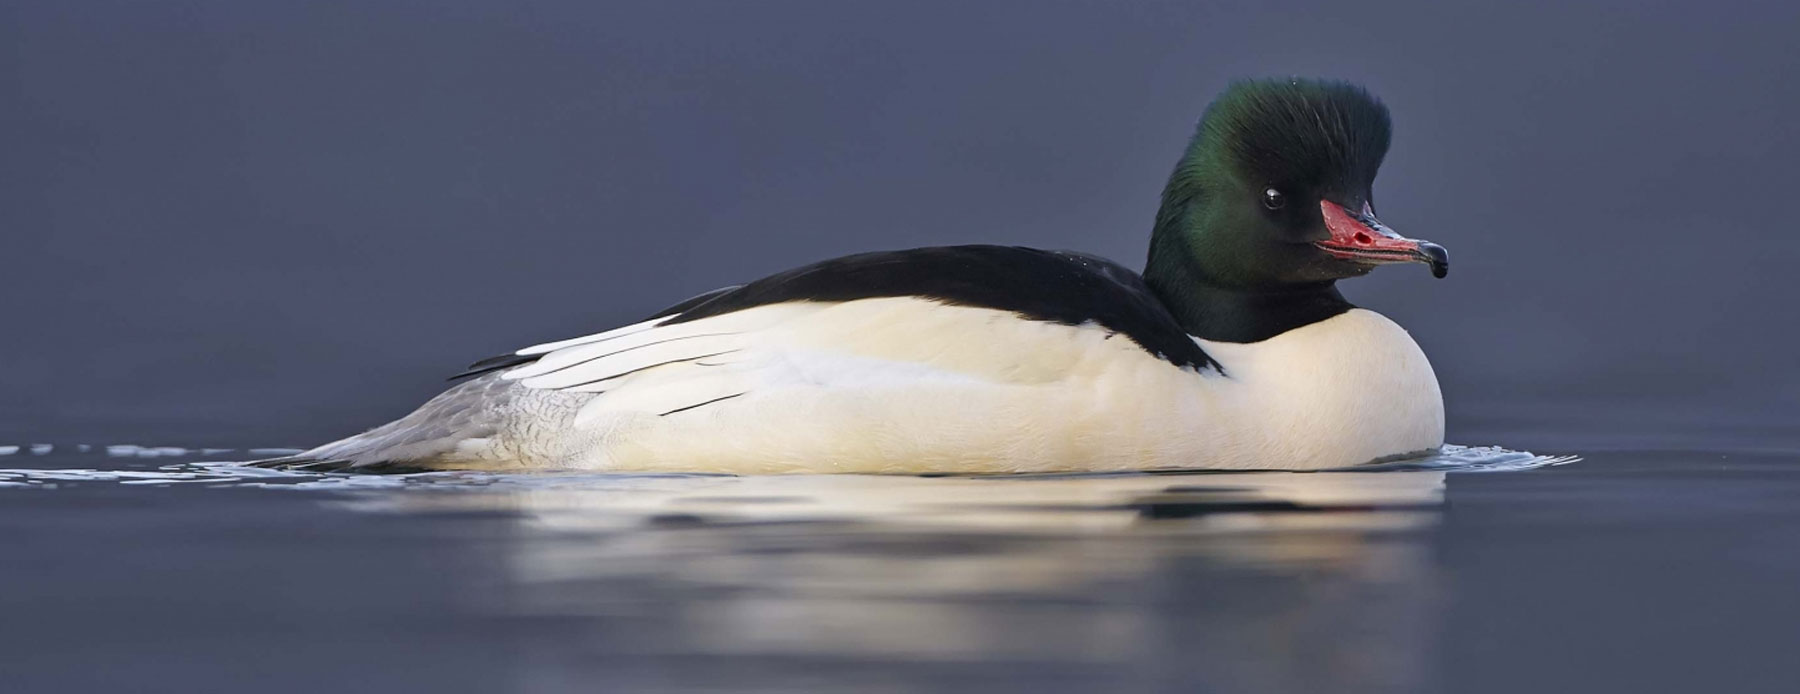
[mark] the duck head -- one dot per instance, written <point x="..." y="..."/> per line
<point x="1274" y="193"/>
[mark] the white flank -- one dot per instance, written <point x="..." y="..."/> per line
<point x="911" y="385"/>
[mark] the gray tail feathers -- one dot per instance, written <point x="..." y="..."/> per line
<point x="422" y="440"/>
<point x="309" y="464"/>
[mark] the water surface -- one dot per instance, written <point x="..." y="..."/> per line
<point x="151" y="569"/>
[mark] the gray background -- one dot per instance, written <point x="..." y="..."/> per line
<point x="258" y="223"/>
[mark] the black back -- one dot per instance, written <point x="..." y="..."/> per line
<point x="1051" y="286"/>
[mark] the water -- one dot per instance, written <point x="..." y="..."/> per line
<point x="150" y="569"/>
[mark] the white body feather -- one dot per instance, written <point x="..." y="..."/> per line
<point x="911" y="385"/>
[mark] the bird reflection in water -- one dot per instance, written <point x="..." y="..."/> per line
<point x="1284" y="581"/>
<point x="1276" y="581"/>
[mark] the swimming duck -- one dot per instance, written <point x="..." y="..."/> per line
<point x="1233" y="349"/>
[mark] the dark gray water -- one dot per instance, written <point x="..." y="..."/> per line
<point x="1628" y="571"/>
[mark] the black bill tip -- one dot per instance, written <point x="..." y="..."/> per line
<point x="1437" y="257"/>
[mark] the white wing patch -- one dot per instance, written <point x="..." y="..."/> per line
<point x="594" y="368"/>
<point x="670" y="394"/>
<point x="596" y="337"/>
<point x="832" y="359"/>
<point x="653" y="368"/>
<point x="870" y="385"/>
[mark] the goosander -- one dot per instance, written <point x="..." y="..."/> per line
<point x="1232" y="350"/>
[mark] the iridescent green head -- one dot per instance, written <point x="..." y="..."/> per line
<point x="1275" y="190"/>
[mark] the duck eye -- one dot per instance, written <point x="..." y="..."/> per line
<point x="1273" y="199"/>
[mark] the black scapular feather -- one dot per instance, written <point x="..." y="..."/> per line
<point x="1052" y="286"/>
